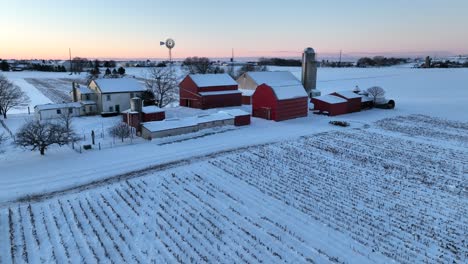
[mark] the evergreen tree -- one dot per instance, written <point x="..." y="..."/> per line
<point x="4" y="66"/>
<point x="108" y="71"/>
<point x="121" y="71"/>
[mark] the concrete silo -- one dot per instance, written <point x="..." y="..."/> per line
<point x="309" y="72"/>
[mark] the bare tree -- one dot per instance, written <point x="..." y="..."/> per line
<point x="65" y="119"/>
<point x="163" y="83"/>
<point x="201" y="65"/>
<point x="38" y="135"/>
<point x="376" y="92"/>
<point x="10" y="96"/>
<point x="249" y="67"/>
<point x="121" y="130"/>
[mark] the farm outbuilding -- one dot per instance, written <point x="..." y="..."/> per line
<point x="241" y="118"/>
<point x="251" y="80"/>
<point x="330" y="104"/>
<point x="247" y="96"/>
<point x="138" y="114"/>
<point x="206" y="91"/>
<point x="179" y="126"/>
<point x="354" y="100"/>
<point x="280" y="102"/>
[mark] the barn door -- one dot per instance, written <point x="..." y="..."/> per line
<point x="264" y="113"/>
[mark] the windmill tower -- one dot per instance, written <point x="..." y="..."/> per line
<point x="170" y="44"/>
<point x="309" y="72"/>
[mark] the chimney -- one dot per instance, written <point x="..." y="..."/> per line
<point x="309" y="72"/>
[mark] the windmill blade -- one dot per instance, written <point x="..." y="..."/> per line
<point x="162" y="43"/>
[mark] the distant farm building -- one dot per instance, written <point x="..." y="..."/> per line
<point x="206" y="91"/>
<point x="354" y="100"/>
<point x="330" y="104"/>
<point x="279" y="103"/>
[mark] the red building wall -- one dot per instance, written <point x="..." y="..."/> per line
<point x="242" y="120"/>
<point x="221" y="100"/>
<point x="153" y="117"/>
<point x="332" y="109"/>
<point x="264" y="98"/>
<point x="264" y="103"/>
<point x="354" y="104"/>
<point x="190" y="97"/>
<point x="246" y="99"/>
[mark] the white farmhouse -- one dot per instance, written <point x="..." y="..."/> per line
<point x="113" y="95"/>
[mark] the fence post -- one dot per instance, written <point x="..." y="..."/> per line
<point x="99" y="145"/>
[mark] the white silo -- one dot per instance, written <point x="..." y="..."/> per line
<point x="309" y="72"/>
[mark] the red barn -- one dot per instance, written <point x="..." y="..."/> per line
<point x="333" y="105"/>
<point x="279" y="102"/>
<point x="353" y="99"/>
<point x="206" y="91"/>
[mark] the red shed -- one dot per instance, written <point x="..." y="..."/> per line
<point x="147" y="114"/>
<point x="241" y="118"/>
<point x="354" y="100"/>
<point x="334" y="105"/>
<point x="209" y="91"/>
<point x="279" y="102"/>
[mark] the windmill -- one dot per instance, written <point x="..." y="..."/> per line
<point x="170" y="43"/>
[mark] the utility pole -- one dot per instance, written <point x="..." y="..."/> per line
<point x="339" y="63"/>
<point x="71" y="66"/>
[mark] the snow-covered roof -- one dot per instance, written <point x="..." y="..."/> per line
<point x="213" y="117"/>
<point x="289" y="91"/>
<point x="57" y="106"/>
<point x="87" y="102"/>
<point x="331" y="99"/>
<point x="235" y="112"/>
<point x="246" y="92"/>
<point x="219" y="92"/>
<point x="175" y="123"/>
<point x="366" y="99"/>
<point x="151" y="109"/>
<point x="210" y="80"/>
<point x="349" y="94"/>
<point x="119" y="85"/>
<point x="272" y="78"/>
<point x="84" y="90"/>
<point x="169" y="124"/>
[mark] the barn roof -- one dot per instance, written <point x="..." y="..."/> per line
<point x="84" y="90"/>
<point x="210" y="80"/>
<point x="119" y="85"/>
<point x="274" y="78"/>
<point x="331" y="99"/>
<point x="348" y="94"/>
<point x="219" y="92"/>
<point x="284" y="92"/>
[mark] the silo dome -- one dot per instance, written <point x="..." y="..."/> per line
<point x="309" y="50"/>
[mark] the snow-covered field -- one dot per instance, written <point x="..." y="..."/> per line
<point x="362" y="195"/>
<point x="392" y="187"/>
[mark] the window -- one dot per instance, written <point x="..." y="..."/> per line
<point x="108" y="97"/>
<point x="87" y="97"/>
<point x="70" y="110"/>
<point x="59" y="111"/>
<point x="111" y="109"/>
